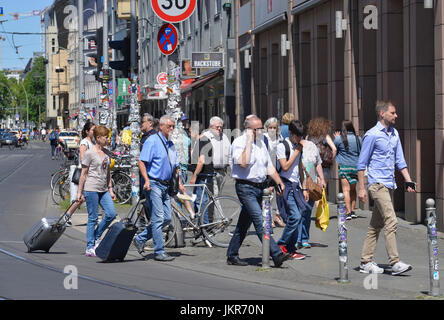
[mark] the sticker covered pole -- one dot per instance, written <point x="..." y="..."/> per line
<point x="432" y="240"/>
<point x="342" y="241"/>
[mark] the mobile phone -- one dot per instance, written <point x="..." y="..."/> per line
<point x="411" y="185"/>
<point x="278" y="188"/>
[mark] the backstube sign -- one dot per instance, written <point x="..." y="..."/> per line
<point x="207" y="60"/>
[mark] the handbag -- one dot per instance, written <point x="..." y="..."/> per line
<point x="314" y="190"/>
<point x="76" y="175"/>
<point x="173" y="186"/>
<point x="323" y="213"/>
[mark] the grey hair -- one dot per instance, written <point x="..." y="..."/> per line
<point x="382" y="105"/>
<point x="270" y="121"/>
<point x="148" y="117"/>
<point x="249" y="119"/>
<point x="165" y="118"/>
<point x="215" y="120"/>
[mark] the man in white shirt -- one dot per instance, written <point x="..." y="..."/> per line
<point x="251" y="163"/>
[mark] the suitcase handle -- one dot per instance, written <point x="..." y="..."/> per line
<point x="133" y="210"/>
<point x="63" y="216"/>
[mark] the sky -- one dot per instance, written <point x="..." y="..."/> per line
<point x="27" y="44"/>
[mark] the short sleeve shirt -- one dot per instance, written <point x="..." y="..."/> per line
<point x="97" y="179"/>
<point x="291" y="174"/>
<point x="311" y="158"/>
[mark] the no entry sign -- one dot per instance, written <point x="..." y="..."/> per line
<point x="167" y="39"/>
<point x="173" y="10"/>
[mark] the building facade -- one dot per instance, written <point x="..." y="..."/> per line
<point x="390" y="50"/>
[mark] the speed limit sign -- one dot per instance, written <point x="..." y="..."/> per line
<point x="173" y="10"/>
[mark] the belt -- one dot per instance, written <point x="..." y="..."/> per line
<point x="260" y="185"/>
<point x="165" y="183"/>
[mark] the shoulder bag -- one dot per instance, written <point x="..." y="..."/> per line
<point x="173" y="186"/>
<point x="314" y="190"/>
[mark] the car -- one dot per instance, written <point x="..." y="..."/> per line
<point x="8" y="138"/>
<point x="70" y="139"/>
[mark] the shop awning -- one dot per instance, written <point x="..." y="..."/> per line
<point x="196" y="83"/>
<point x="304" y="5"/>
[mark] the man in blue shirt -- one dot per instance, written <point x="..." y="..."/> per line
<point x="156" y="167"/>
<point x="381" y="151"/>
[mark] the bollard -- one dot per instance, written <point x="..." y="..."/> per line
<point x="342" y="243"/>
<point x="73" y="188"/>
<point x="433" y="247"/>
<point x="266" y="214"/>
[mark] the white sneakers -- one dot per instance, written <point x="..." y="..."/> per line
<point x="90" y="253"/>
<point x="370" y="267"/>
<point x="400" y="267"/>
<point x="397" y="268"/>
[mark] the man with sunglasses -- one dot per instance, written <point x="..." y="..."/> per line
<point x="250" y="165"/>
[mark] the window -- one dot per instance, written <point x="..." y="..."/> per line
<point x="53" y="102"/>
<point x="242" y="2"/>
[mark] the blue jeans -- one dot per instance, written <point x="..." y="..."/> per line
<point x="304" y="226"/>
<point x="251" y="201"/>
<point x="159" y="207"/>
<point x="291" y="230"/>
<point x="198" y="191"/>
<point x="93" y="200"/>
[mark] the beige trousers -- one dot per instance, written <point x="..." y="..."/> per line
<point x="383" y="216"/>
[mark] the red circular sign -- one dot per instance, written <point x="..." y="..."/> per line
<point x="173" y="10"/>
<point x="162" y="78"/>
<point x="167" y="39"/>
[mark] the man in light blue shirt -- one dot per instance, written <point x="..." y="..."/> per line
<point x="381" y="152"/>
<point x="157" y="162"/>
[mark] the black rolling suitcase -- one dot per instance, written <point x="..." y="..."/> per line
<point x="47" y="231"/>
<point x="117" y="240"/>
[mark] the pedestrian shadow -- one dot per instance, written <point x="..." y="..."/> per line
<point x="50" y="252"/>
<point x="318" y="245"/>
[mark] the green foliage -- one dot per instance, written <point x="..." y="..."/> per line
<point x="13" y="92"/>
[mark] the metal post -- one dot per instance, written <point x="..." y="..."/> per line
<point x="266" y="214"/>
<point x="134" y="115"/>
<point x="432" y="240"/>
<point x="104" y="113"/>
<point x="342" y="244"/>
<point x="81" y="117"/>
<point x="114" y="82"/>
<point x="73" y="188"/>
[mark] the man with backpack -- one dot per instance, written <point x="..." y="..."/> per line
<point x="54" y="140"/>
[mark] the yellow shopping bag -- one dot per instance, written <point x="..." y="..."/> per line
<point x="323" y="213"/>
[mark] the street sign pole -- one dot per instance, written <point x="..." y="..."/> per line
<point x="134" y="115"/>
<point x="114" y="82"/>
<point x="104" y="112"/>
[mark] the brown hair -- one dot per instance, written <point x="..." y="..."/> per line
<point x="319" y="127"/>
<point x="382" y="105"/>
<point x="101" y="131"/>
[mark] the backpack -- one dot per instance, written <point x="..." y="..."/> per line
<point x="325" y="152"/>
<point x="52" y="136"/>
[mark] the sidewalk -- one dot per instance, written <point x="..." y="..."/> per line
<point x="318" y="272"/>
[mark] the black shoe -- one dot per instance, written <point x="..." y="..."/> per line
<point x="279" y="260"/>
<point x="348" y="216"/>
<point x="163" y="257"/>
<point x="353" y="215"/>
<point x="235" y="261"/>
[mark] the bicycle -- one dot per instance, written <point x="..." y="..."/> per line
<point x="223" y="212"/>
<point x="20" y="144"/>
<point x="121" y="180"/>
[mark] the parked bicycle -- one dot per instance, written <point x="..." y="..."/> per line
<point x="223" y="213"/>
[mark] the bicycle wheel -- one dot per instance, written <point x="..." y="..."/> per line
<point x="24" y="145"/>
<point x="11" y="147"/>
<point x="55" y="176"/>
<point x="168" y="232"/>
<point x="121" y="186"/>
<point x="223" y="214"/>
<point x="56" y="191"/>
<point x="64" y="188"/>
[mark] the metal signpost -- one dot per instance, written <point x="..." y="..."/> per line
<point x="266" y="214"/>
<point x="432" y="240"/>
<point x="342" y="243"/>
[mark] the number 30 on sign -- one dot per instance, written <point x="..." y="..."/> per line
<point x="173" y="11"/>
